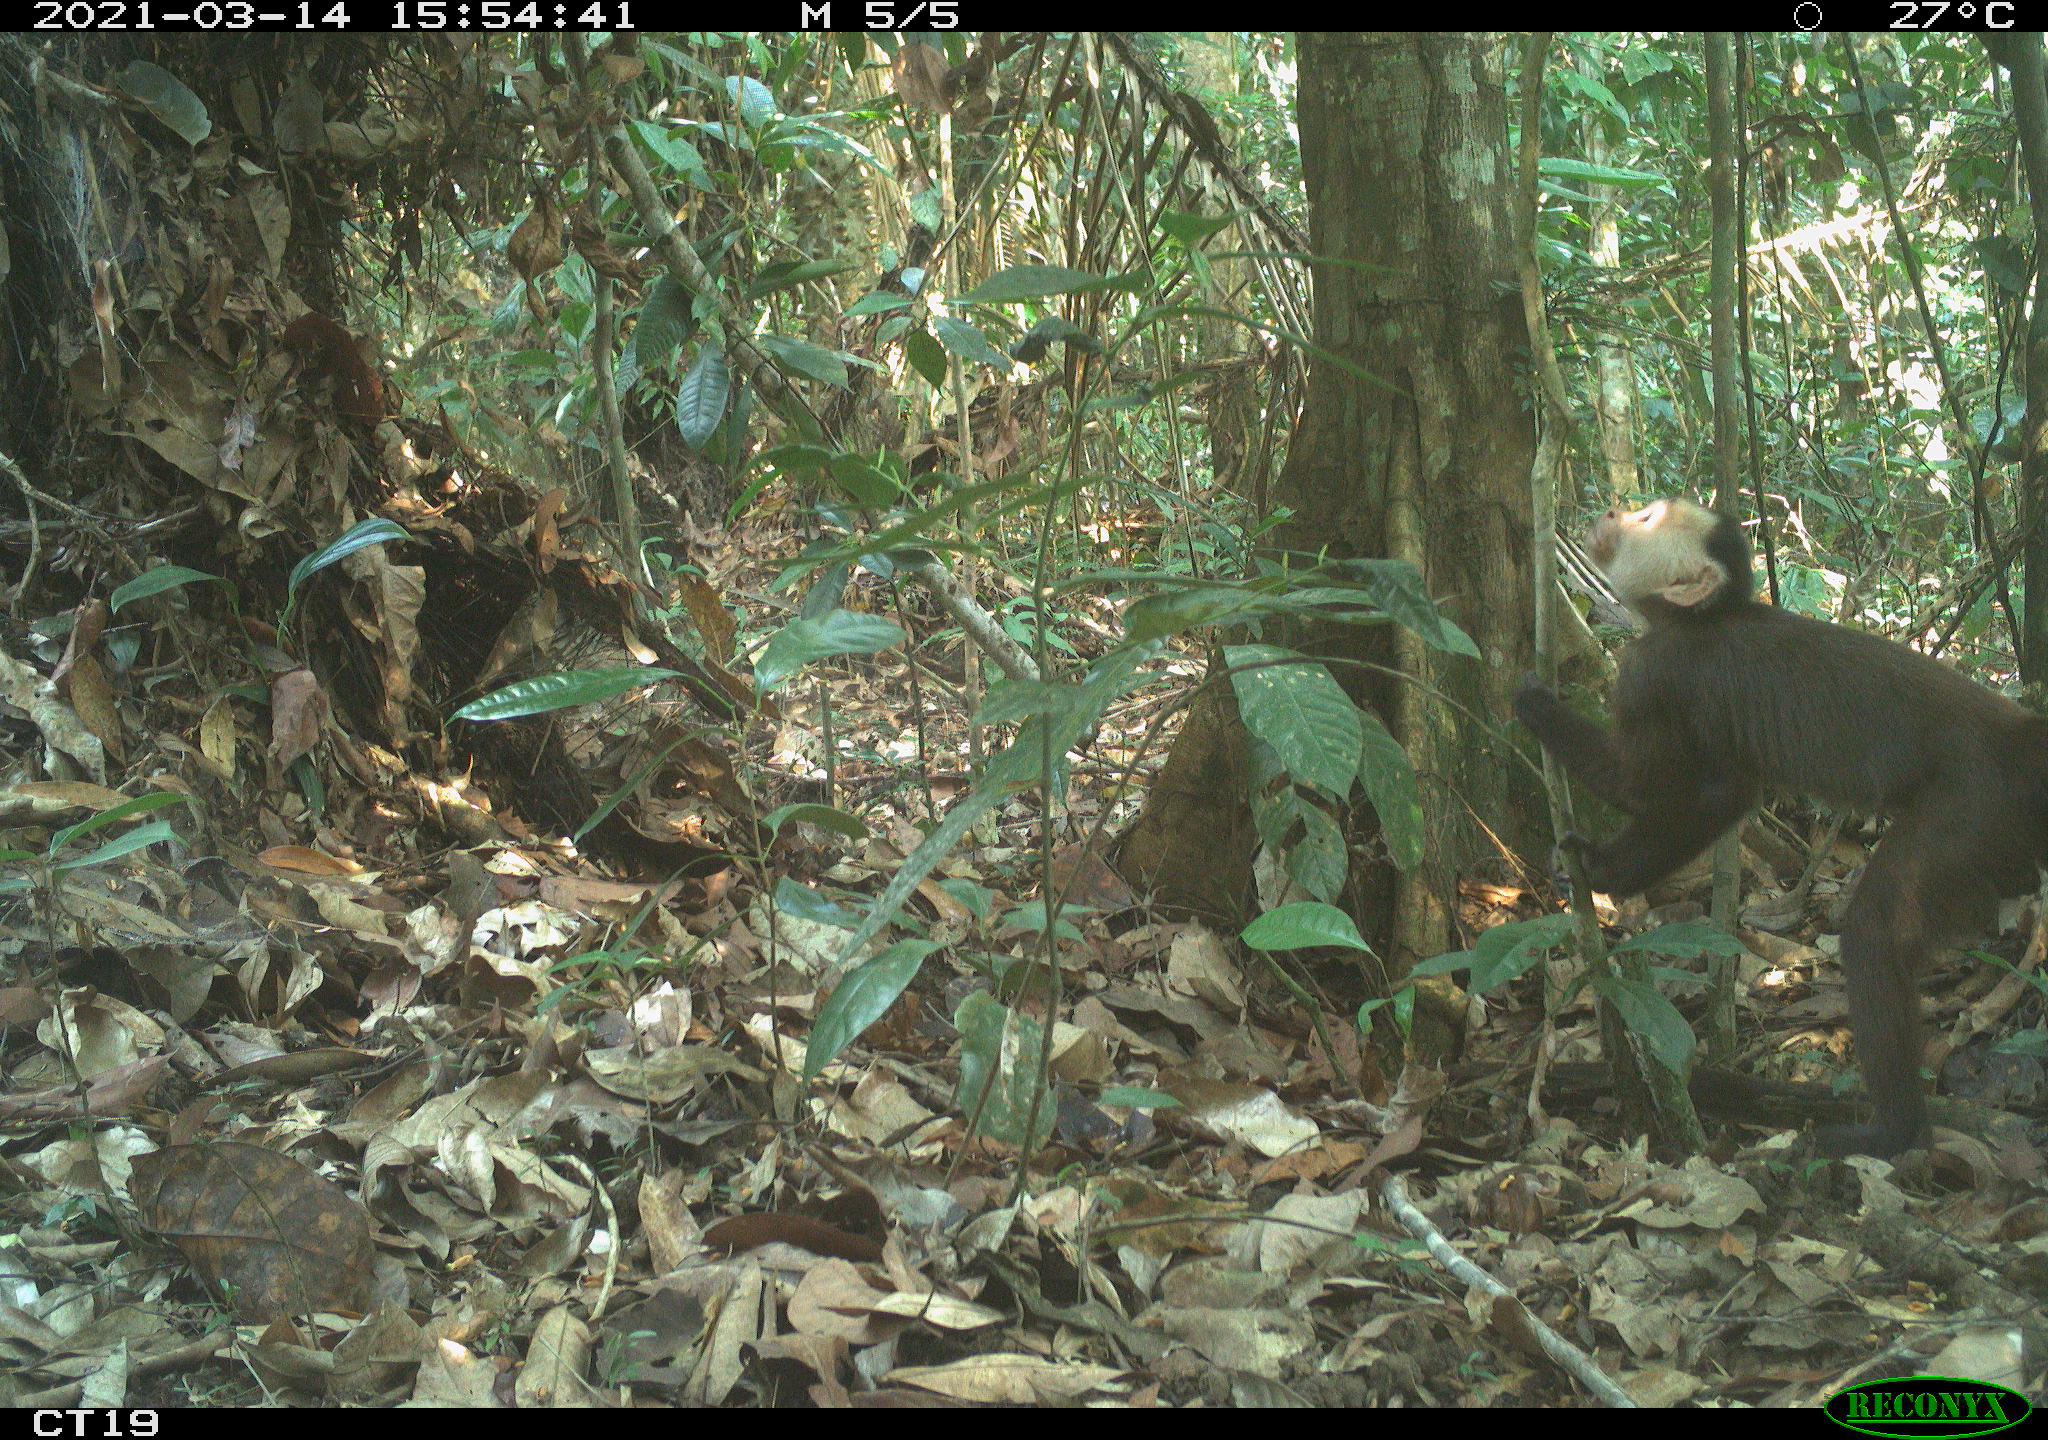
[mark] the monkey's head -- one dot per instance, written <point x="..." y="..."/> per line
<point x="1672" y="559"/>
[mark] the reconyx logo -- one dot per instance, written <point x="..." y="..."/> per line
<point x="1925" y="1406"/>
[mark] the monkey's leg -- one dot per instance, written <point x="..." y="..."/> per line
<point x="1885" y="935"/>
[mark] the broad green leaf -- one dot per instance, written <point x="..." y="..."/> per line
<point x="1191" y="230"/>
<point x="166" y="97"/>
<point x="1600" y="174"/>
<point x="1683" y="941"/>
<point x="977" y="898"/>
<point x="1299" y="709"/>
<point x="800" y="900"/>
<point x="701" y="398"/>
<point x="1137" y="1097"/>
<point x="862" y="480"/>
<point x="876" y="302"/>
<point x="1029" y="282"/>
<point x="155" y="581"/>
<point x="1301" y="925"/>
<point x="1318" y="861"/>
<point x="560" y="690"/>
<point x="805" y="358"/>
<point x="841" y="632"/>
<point x="968" y="342"/>
<point x="927" y="357"/>
<point x="154" y="833"/>
<point x="999" y="1051"/>
<point x="1501" y="953"/>
<point x="861" y="999"/>
<point x="1389" y="779"/>
<point x="1275" y="813"/>
<point x="140" y="805"/>
<point x="1157" y="616"/>
<point x="666" y="321"/>
<point x="1651" y="1016"/>
<point x="754" y="101"/>
<point x="360" y="536"/>
<point x="786" y="273"/>
<point x="796" y="459"/>
<point x="825" y="817"/>
<point x="1010" y="702"/>
<point x="1395" y="586"/>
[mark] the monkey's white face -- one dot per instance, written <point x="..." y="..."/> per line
<point x="1657" y="553"/>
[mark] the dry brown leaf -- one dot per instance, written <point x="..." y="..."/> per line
<point x="1006" y="1379"/>
<point x="93" y="703"/>
<point x="217" y="734"/>
<point x="298" y="707"/>
<point x="258" y="1226"/>
<point x="311" y="862"/>
<point x="556" y="1358"/>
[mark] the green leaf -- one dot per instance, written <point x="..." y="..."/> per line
<point x="561" y="690"/>
<point x="805" y="358"/>
<point x="1301" y="925"/>
<point x="1011" y="702"/>
<point x="1318" y="861"/>
<point x="154" y="833"/>
<point x="1157" y="616"/>
<point x="701" y="398"/>
<point x="1137" y="1097"/>
<point x="1389" y="779"/>
<point x="862" y="998"/>
<point x="1299" y="709"/>
<point x="666" y="321"/>
<point x="139" y="805"/>
<point x="155" y="581"/>
<point x="166" y="97"/>
<point x="1017" y="768"/>
<point x="794" y="898"/>
<point x="840" y="632"/>
<point x="1600" y="174"/>
<point x="784" y="274"/>
<point x="968" y="342"/>
<point x="1501" y="953"/>
<point x="999" y="1051"/>
<point x="862" y="480"/>
<point x="796" y="459"/>
<point x="1029" y="282"/>
<point x="1395" y="587"/>
<point x="1651" y="1016"/>
<point x="1684" y="940"/>
<point x="877" y="302"/>
<point x="927" y="357"/>
<point x="755" y="101"/>
<point x="825" y="817"/>
<point x="360" y="536"/>
<point x="1191" y="230"/>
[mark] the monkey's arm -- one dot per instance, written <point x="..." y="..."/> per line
<point x="1657" y="842"/>
<point x="1585" y="750"/>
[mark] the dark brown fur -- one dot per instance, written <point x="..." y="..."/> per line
<point x="1724" y="698"/>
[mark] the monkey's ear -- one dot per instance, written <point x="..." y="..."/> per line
<point x="1697" y="588"/>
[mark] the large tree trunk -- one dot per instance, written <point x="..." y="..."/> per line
<point x="1404" y="148"/>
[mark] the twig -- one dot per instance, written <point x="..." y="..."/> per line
<point x="35" y="531"/>
<point x="1575" y="1362"/>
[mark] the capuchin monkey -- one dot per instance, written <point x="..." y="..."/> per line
<point x="1725" y="697"/>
